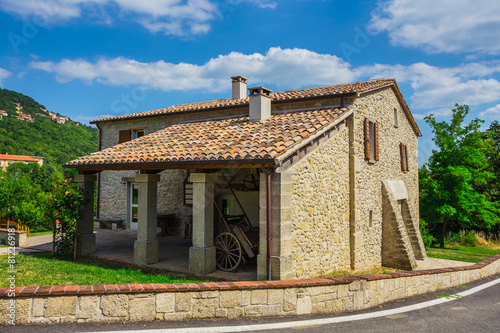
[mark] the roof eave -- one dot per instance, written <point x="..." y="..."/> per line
<point x="209" y="164"/>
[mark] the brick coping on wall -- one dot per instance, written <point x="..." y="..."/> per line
<point x="212" y="286"/>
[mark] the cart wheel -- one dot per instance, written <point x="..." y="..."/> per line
<point x="228" y="251"/>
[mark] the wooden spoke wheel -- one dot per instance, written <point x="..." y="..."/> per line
<point x="228" y="251"/>
<point x="251" y="182"/>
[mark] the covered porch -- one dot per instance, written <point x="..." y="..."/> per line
<point x="148" y="248"/>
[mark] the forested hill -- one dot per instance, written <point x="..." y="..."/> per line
<point x="9" y="98"/>
<point x="58" y="143"/>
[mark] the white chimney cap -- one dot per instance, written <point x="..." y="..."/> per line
<point x="260" y="91"/>
<point x="239" y="79"/>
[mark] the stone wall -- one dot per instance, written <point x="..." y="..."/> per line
<point x="113" y="193"/>
<point x="147" y="302"/>
<point x="379" y="107"/>
<point x="19" y="237"/>
<point x="320" y="209"/>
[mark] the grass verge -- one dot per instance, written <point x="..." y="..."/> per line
<point x="32" y="234"/>
<point x="463" y="253"/>
<point x="41" y="269"/>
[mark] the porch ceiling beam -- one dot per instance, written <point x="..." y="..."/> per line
<point x="159" y="167"/>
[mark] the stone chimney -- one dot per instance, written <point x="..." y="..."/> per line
<point x="239" y="87"/>
<point x="260" y="103"/>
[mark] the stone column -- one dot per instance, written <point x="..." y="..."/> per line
<point x="85" y="237"/>
<point x="281" y="227"/>
<point x="202" y="254"/>
<point x="146" y="245"/>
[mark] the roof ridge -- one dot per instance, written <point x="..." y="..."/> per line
<point x="356" y="87"/>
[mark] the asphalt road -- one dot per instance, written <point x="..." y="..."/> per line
<point x="475" y="312"/>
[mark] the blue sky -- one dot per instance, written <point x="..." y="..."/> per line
<point x="94" y="58"/>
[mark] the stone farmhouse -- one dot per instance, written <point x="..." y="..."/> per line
<point x="326" y="177"/>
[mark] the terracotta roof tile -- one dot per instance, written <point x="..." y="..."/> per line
<point x="227" y="139"/>
<point x="339" y="89"/>
<point x="18" y="158"/>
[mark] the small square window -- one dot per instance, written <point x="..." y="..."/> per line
<point x="137" y="133"/>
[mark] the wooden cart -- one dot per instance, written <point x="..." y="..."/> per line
<point x="237" y="241"/>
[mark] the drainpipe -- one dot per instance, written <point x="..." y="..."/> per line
<point x="268" y="215"/>
<point x="98" y="196"/>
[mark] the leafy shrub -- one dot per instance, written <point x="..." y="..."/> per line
<point x="469" y="239"/>
<point x="63" y="211"/>
<point x="463" y="237"/>
<point x="427" y="237"/>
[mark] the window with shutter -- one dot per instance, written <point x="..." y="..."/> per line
<point x="372" y="149"/>
<point x="404" y="157"/>
<point x="367" y="139"/>
<point x="124" y="136"/>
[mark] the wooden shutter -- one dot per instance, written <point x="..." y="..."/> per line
<point x="406" y="159"/>
<point x="377" y="150"/>
<point x="367" y="139"/>
<point x="401" y="153"/>
<point x="124" y="136"/>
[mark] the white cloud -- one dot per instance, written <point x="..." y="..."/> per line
<point x="86" y="119"/>
<point x="444" y="26"/>
<point x="437" y="87"/>
<point x="55" y="10"/>
<point x="171" y="17"/>
<point x="492" y="113"/>
<point x="287" y="68"/>
<point x="443" y="112"/>
<point x="4" y="74"/>
<point x="266" y="4"/>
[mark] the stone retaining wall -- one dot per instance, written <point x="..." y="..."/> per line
<point x="19" y="237"/>
<point x="138" y="302"/>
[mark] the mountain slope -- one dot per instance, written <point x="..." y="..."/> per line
<point x="58" y="143"/>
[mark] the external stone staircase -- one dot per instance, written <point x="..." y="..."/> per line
<point x="402" y="243"/>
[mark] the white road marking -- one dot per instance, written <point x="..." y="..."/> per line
<point x="314" y="322"/>
<point x="397" y="316"/>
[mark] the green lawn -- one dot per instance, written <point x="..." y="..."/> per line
<point x="32" y="234"/>
<point x="463" y="253"/>
<point x="41" y="269"/>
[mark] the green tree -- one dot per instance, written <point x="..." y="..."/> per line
<point x="6" y="189"/>
<point x="451" y="179"/>
<point x="492" y="137"/>
<point x="23" y="200"/>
